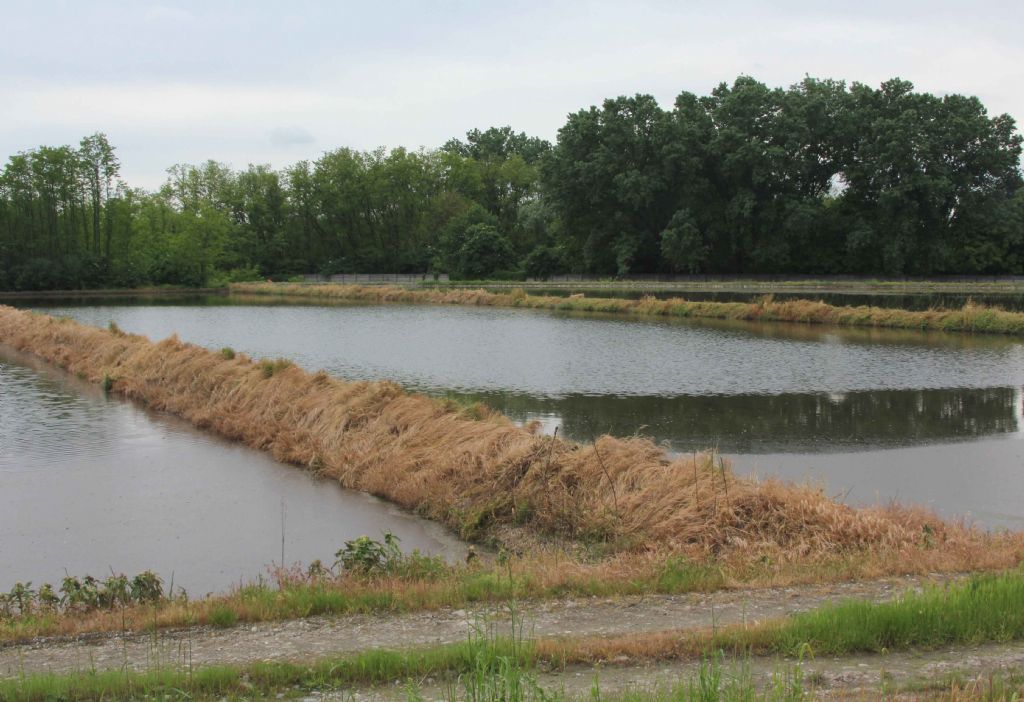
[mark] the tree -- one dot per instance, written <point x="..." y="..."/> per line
<point x="484" y="252"/>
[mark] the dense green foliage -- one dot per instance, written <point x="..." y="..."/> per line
<point x="820" y="178"/>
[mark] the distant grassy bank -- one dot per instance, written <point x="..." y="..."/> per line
<point x="971" y="318"/>
<point x="111" y="292"/>
<point x="754" y="285"/>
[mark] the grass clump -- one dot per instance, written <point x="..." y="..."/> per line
<point x="222" y="617"/>
<point x="679" y="575"/>
<point x="227" y="353"/>
<point x="271" y="368"/>
<point x="985" y="608"/>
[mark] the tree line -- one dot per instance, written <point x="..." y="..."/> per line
<point x="818" y="178"/>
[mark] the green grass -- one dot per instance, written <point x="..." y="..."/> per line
<point x="482" y="653"/>
<point x="984" y="609"/>
<point x="421" y="585"/>
<point x="482" y="669"/>
<point x="489" y="667"/>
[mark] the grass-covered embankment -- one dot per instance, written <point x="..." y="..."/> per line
<point x="624" y="509"/>
<point x="970" y="318"/>
<point x="983" y="609"/>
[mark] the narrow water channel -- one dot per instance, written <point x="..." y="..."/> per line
<point x="90" y="484"/>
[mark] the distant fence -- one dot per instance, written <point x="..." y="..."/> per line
<point x="414" y="278"/>
<point x="377" y="278"/>
<point x="755" y="277"/>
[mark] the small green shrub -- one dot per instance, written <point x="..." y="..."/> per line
<point x="227" y="353"/>
<point x="81" y="594"/>
<point x="147" y="587"/>
<point x="367" y="556"/>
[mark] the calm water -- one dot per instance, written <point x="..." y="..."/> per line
<point x="873" y="415"/>
<point x="89" y="484"/>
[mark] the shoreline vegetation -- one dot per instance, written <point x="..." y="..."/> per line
<point x="615" y="516"/>
<point x="171" y="291"/>
<point x="971" y="318"/>
<point x="823" y="284"/>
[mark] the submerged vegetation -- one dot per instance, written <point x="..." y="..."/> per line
<point x="970" y="318"/>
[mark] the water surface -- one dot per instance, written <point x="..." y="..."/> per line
<point x="872" y="414"/>
<point x="90" y="484"/>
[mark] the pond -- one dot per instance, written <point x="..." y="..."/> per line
<point x="873" y="415"/>
<point x="90" y="484"/>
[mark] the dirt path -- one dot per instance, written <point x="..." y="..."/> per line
<point x="853" y="677"/>
<point x="323" y="636"/>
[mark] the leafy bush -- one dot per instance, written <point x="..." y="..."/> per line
<point x="82" y="594"/>
<point x="366" y="556"/>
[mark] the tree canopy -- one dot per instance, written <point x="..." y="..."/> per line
<point x="818" y="178"/>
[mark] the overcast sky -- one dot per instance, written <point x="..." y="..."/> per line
<point x="275" y="82"/>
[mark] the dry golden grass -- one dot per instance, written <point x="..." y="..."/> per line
<point x="477" y="471"/>
<point x="970" y="318"/>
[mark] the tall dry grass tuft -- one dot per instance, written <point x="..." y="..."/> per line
<point x="970" y="318"/>
<point x="481" y="474"/>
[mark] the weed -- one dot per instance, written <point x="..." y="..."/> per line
<point x="222" y="617"/>
<point x="270" y="368"/>
<point x="80" y="595"/>
<point x="227" y="353"/>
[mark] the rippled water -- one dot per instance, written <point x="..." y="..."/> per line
<point x="873" y="414"/>
<point x="89" y="484"/>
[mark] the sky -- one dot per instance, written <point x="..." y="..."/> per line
<point x="276" y="82"/>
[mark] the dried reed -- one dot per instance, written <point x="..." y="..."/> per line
<point x="970" y="318"/>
